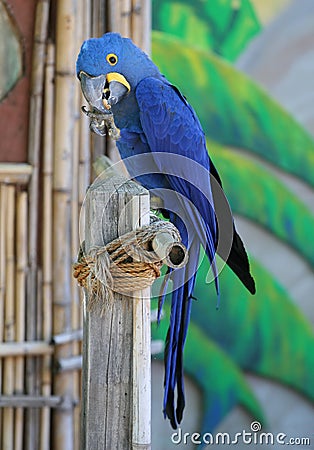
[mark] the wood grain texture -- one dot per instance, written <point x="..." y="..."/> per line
<point x="112" y="377"/>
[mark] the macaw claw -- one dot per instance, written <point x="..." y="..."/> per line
<point x="101" y="123"/>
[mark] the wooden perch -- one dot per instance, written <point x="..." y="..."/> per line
<point x="124" y="251"/>
<point x="116" y="397"/>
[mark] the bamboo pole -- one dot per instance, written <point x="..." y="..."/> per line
<point x="64" y="338"/>
<point x="86" y="16"/>
<point x="39" y="329"/>
<point x="84" y="173"/>
<point x="113" y="18"/>
<point x="62" y="185"/>
<point x="75" y="294"/>
<point x="85" y="135"/>
<point x="34" y="147"/>
<point x="15" y="173"/>
<point x="3" y="212"/>
<point x="87" y="7"/>
<point x="141" y="24"/>
<point x="20" y="296"/>
<point x="9" y="325"/>
<point x="31" y="401"/>
<point x="125" y="17"/>
<point x="84" y="32"/>
<point x="99" y="25"/>
<point x="116" y="347"/>
<point x="75" y="204"/>
<point x="119" y="21"/>
<point x="84" y="162"/>
<point x="26" y="348"/>
<point x="44" y="438"/>
<point x="131" y="18"/>
<point x="172" y="252"/>
<point x="99" y="17"/>
<point x="85" y="153"/>
<point x="72" y="363"/>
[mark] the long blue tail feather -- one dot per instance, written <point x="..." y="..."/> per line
<point x="183" y="283"/>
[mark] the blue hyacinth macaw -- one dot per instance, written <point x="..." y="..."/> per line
<point x="163" y="146"/>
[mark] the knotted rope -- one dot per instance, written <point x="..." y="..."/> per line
<point x="127" y="264"/>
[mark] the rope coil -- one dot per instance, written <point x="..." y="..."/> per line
<point x="129" y="263"/>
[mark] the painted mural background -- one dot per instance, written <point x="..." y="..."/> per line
<point x="247" y="68"/>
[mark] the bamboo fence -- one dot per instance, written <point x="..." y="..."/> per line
<point x="40" y="201"/>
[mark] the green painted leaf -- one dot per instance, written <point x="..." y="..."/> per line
<point x="267" y="200"/>
<point x="233" y="109"/>
<point x="221" y="381"/>
<point x="225" y="26"/>
<point x="266" y="333"/>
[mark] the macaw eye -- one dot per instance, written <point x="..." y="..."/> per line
<point x="112" y="59"/>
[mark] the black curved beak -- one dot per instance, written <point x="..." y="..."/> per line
<point x="92" y="88"/>
<point x="103" y="91"/>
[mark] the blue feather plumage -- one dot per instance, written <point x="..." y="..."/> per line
<point x="164" y="148"/>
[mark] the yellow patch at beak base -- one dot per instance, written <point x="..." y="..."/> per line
<point x="115" y="76"/>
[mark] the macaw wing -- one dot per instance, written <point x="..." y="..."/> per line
<point x="177" y="145"/>
<point x="171" y="125"/>
<point x="177" y="142"/>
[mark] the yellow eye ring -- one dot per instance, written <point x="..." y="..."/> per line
<point x="112" y="59"/>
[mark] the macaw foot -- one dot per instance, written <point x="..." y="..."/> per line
<point x="101" y="123"/>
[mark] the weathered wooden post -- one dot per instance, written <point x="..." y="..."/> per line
<point x="116" y="403"/>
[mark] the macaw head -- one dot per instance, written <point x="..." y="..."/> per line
<point x="109" y="68"/>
